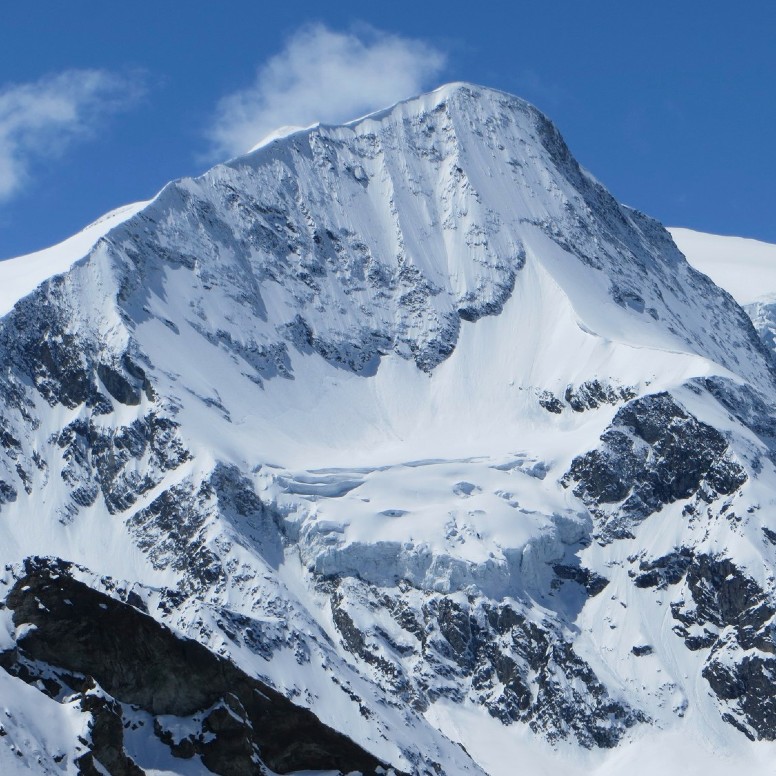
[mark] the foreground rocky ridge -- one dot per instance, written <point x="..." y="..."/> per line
<point x="237" y="422"/>
<point x="75" y="639"/>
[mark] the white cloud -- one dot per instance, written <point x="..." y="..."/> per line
<point x="39" y="120"/>
<point x="325" y="76"/>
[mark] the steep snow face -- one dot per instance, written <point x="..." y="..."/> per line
<point x="39" y="735"/>
<point x="745" y="268"/>
<point x="381" y="244"/>
<point x="388" y="236"/>
<point x="412" y="421"/>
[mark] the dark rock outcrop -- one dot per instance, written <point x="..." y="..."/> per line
<point x="725" y="611"/>
<point x="594" y="393"/>
<point x="519" y="669"/>
<point x="107" y="736"/>
<point x="138" y="661"/>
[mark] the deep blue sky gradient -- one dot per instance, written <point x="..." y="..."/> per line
<point x="671" y="104"/>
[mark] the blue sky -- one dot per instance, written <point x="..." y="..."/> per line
<point x="671" y="105"/>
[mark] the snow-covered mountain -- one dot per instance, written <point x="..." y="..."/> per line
<point x="394" y="445"/>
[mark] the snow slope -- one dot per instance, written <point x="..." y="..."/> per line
<point x="746" y="268"/>
<point x="40" y="736"/>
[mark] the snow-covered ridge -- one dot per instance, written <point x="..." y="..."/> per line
<point x="277" y="134"/>
<point x="20" y="275"/>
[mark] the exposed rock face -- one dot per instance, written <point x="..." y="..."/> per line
<point x="590" y="395"/>
<point x="750" y="408"/>
<point x="103" y="457"/>
<point x="76" y="630"/>
<point x="726" y="615"/>
<point x="492" y="654"/>
<point x="107" y="736"/>
<point x="654" y="453"/>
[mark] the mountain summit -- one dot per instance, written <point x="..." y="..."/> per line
<point x="396" y="436"/>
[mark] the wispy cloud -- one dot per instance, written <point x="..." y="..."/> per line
<point x="323" y="75"/>
<point x="40" y="120"/>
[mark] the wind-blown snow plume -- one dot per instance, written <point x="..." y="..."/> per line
<point x="41" y="119"/>
<point x="323" y="75"/>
